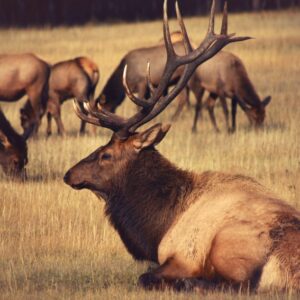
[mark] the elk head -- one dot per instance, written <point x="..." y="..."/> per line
<point x="29" y="122"/>
<point x="256" y="114"/>
<point x="102" y="170"/>
<point x="13" y="150"/>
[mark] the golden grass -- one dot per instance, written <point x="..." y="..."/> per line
<point x="55" y="242"/>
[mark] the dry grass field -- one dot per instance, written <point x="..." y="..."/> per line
<point x="55" y="242"/>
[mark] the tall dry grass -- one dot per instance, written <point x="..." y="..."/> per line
<point x="54" y="241"/>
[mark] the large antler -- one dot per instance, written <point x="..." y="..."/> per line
<point x="151" y="107"/>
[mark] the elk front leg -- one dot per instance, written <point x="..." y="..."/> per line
<point x="82" y="127"/>
<point x="198" y="92"/>
<point x="211" y="102"/>
<point x="172" y="275"/>
<point x="225" y="111"/>
<point x="233" y="113"/>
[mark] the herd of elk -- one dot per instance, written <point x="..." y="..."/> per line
<point x="223" y="76"/>
<point x="204" y="230"/>
<point x="13" y="149"/>
<point x="76" y="77"/>
<point x="25" y="74"/>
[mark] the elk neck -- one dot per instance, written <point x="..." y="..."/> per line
<point x="149" y="195"/>
<point x="113" y="91"/>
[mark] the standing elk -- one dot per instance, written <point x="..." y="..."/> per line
<point x="225" y="76"/>
<point x="202" y="229"/>
<point x="13" y="149"/>
<point x="25" y="74"/>
<point x="78" y="78"/>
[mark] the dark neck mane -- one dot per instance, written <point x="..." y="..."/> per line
<point x="146" y="200"/>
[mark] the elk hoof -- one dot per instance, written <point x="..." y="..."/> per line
<point x="149" y="281"/>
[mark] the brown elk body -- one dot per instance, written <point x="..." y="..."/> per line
<point x="212" y="226"/>
<point x="76" y="77"/>
<point x="25" y="74"/>
<point x="113" y="93"/>
<point x="13" y="149"/>
<point x="225" y="76"/>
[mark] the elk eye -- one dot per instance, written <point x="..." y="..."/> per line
<point x="106" y="156"/>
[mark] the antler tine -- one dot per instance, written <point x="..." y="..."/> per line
<point x="166" y="30"/>
<point x="84" y="116"/>
<point x="186" y="40"/>
<point x="211" y="24"/>
<point x="224" y="28"/>
<point x="101" y="117"/>
<point x="149" y="82"/>
<point x="134" y="99"/>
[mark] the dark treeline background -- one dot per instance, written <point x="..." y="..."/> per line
<point x="18" y="13"/>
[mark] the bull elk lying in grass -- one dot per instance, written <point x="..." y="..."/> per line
<point x="25" y="74"/>
<point x="78" y="78"/>
<point x="13" y="149"/>
<point x="207" y="228"/>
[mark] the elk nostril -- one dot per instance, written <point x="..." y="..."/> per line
<point x="66" y="177"/>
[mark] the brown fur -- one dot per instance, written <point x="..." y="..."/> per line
<point x="25" y="74"/>
<point x="225" y="76"/>
<point x="218" y="227"/>
<point x="78" y="78"/>
<point x="113" y="93"/>
<point x="13" y="149"/>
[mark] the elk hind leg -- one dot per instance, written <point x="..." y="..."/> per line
<point x="238" y="255"/>
<point x="211" y="102"/>
<point x="49" y="121"/>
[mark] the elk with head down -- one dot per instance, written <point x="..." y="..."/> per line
<point x="25" y="74"/>
<point x="76" y="77"/>
<point x="224" y="76"/>
<point x="13" y="149"/>
<point x="207" y="228"/>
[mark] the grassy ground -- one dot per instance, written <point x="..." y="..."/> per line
<point x="54" y="241"/>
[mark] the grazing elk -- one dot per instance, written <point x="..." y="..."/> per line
<point x="202" y="229"/>
<point x="76" y="77"/>
<point x="25" y="74"/>
<point x="13" y="149"/>
<point x="225" y="76"/>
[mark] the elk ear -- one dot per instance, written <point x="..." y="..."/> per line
<point x="4" y="142"/>
<point x="266" y="101"/>
<point x="151" y="136"/>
